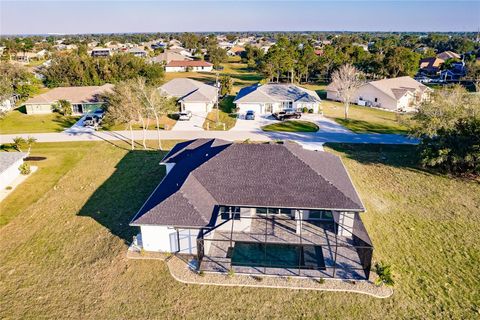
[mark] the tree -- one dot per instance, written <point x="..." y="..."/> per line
<point x="346" y="80"/>
<point x="154" y="104"/>
<point x="400" y="61"/>
<point x="18" y="142"/>
<point x="226" y="85"/>
<point x="216" y="55"/>
<point x="449" y="128"/>
<point x="123" y="106"/>
<point x="64" y="107"/>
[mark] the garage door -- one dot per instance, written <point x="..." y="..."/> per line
<point x="196" y="107"/>
<point x="256" y="107"/>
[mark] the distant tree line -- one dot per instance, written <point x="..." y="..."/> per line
<point x="83" y="70"/>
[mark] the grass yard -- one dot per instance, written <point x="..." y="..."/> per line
<point x="19" y="122"/>
<point x="366" y="119"/>
<point x="292" y="126"/>
<point x="226" y="117"/>
<point x="63" y="251"/>
<point x="237" y="71"/>
<point x="166" y="123"/>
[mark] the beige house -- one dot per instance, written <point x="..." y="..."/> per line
<point x="397" y="94"/>
<point x="82" y="99"/>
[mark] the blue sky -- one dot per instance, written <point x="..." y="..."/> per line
<point x="40" y="17"/>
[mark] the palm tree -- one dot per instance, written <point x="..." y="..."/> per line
<point x="18" y="142"/>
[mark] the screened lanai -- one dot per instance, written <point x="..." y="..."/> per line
<point x="286" y="242"/>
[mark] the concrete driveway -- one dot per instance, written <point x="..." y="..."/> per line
<point x="194" y="124"/>
<point x="252" y="125"/>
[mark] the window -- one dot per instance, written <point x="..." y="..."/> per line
<point x="230" y="212"/>
<point x="376" y="99"/>
<point x="320" y="215"/>
<point x="271" y="211"/>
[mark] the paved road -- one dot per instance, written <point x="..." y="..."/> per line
<point x="257" y="135"/>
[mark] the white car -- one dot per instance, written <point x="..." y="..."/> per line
<point x="184" y="115"/>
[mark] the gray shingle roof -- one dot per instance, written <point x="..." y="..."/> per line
<point x="211" y="172"/>
<point x="189" y="90"/>
<point x="275" y="92"/>
<point x="7" y="159"/>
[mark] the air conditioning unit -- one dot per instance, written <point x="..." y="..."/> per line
<point x="362" y="103"/>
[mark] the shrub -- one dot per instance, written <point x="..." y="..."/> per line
<point x="25" y="168"/>
<point x="8" y="188"/>
<point x="310" y="110"/>
<point x="304" y="109"/>
<point x="230" y="273"/>
<point x="384" y="273"/>
<point x="201" y="273"/>
<point x="320" y="280"/>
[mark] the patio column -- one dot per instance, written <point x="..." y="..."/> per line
<point x="345" y="222"/>
<point x="298" y="218"/>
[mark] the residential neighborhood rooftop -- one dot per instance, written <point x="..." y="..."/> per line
<point x="189" y="90"/>
<point x="276" y="92"/>
<point x="189" y="63"/>
<point x="212" y="172"/>
<point x="7" y="159"/>
<point x="72" y="94"/>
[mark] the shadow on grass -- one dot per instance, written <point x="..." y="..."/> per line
<point x="360" y="126"/>
<point x="64" y="122"/>
<point x="119" y="198"/>
<point x="292" y="126"/>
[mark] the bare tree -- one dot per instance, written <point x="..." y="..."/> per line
<point x="154" y="104"/>
<point x="346" y="80"/>
<point x="123" y="106"/>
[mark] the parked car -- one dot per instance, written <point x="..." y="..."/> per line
<point x="423" y="79"/>
<point x="184" y="115"/>
<point x="90" y="121"/>
<point x="287" y="114"/>
<point x="250" y="115"/>
<point x="99" y="114"/>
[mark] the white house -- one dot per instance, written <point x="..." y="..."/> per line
<point x="194" y="96"/>
<point x="188" y="65"/>
<point x="9" y="164"/>
<point x="395" y="94"/>
<point x="275" y="97"/>
<point x="229" y="203"/>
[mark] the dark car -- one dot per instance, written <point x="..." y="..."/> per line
<point x="250" y="115"/>
<point x="287" y="114"/>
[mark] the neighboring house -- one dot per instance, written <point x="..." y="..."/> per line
<point x="8" y="104"/>
<point x="236" y="51"/>
<point x="430" y="66"/>
<point x="82" y="99"/>
<point x="137" y="52"/>
<point x="274" y="97"/>
<point x="192" y="95"/>
<point x="101" y="52"/>
<point x="169" y="55"/>
<point x="448" y="55"/>
<point x="275" y="209"/>
<point x="9" y="164"/>
<point x="27" y="56"/>
<point x="395" y="94"/>
<point x="188" y="65"/>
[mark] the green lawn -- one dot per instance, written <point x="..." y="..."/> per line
<point x="239" y="72"/>
<point x="292" y="126"/>
<point x="166" y="123"/>
<point x="226" y="116"/>
<point x="365" y="119"/>
<point x="20" y="122"/>
<point x="63" y="252"/>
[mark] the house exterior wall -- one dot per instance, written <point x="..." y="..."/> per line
<point x="256" y="107"/>
<point x="308" y="105"/>
<point x="166" y="239"/>
<point x="7" y="176"/>
<point x="368" y="93"/>
<point x="184" y="69"/>
<point x="267" y="108"/>
<point x="197" y="106"/>
<point x="38" y="108"/>
<point x="48" y="108"/>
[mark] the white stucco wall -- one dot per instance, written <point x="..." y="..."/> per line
<point x="157" y="238"/>
<point x="183" y="69"/>
<point x="197" y="106"/>
<point x="38" y="108"/>
<point x="345" y="222"/>
<point x="256" y="107"/>
<point x="165" y="239"/>
<point x="7" y="176"/>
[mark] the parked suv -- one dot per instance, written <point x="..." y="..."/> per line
<point x="287" y="114"/>
<point x="184" y="115"/>
<point x="250" y="115"/>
